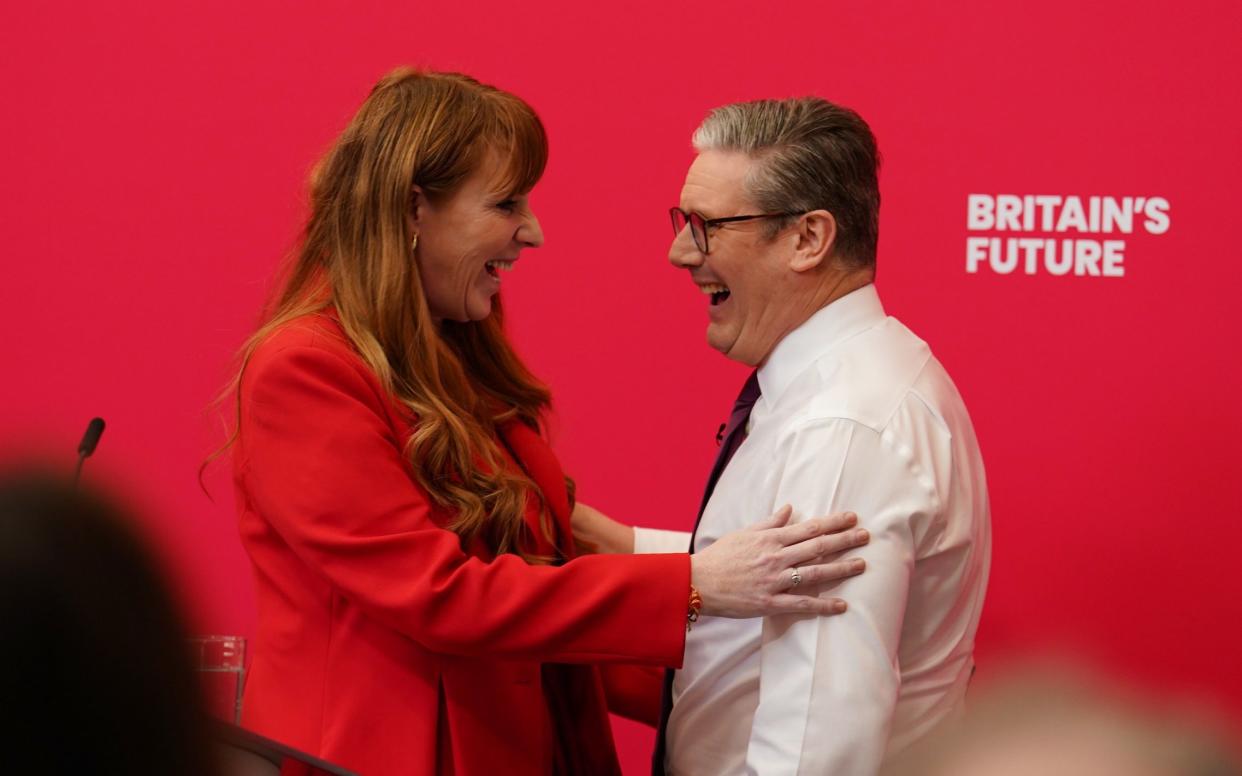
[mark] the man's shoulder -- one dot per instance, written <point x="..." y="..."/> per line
<point x="866" y="379"/>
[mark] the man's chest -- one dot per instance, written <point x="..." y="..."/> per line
<point x="748" y="486"/>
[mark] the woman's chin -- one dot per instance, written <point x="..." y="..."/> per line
<point x="479" y="308"/>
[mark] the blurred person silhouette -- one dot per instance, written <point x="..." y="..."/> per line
<point x="1067" y="721"/>
<point x="97" y="676"/>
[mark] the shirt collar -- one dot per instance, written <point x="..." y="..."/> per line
<point x="830" y="325"/>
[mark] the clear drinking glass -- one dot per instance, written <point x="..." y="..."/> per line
<point x="220" y="662"/>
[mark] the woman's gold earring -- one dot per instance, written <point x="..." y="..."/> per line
<point x="413" y="243"/>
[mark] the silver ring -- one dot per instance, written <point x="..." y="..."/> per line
<point x="797" y="578"/>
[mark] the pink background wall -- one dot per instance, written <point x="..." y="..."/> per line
<point x="154" y="168"/>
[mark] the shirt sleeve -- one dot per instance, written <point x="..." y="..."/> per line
<point x="657" y="540"/>
<point x="828" y="685"/>
<point x="321" y="463"/>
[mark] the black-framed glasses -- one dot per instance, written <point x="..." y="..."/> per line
<point x="699" y="225"/>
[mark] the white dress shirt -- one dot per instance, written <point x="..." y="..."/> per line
<point x="855" y="414"/>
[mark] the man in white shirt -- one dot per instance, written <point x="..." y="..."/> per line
<point x="778" y="224"/>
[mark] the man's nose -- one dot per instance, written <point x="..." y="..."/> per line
<point x="683" y="253"/>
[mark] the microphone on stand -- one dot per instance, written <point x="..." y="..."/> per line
<point x="90" y="439"/>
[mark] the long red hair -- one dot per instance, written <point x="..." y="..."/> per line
<point x="458" y="380"/>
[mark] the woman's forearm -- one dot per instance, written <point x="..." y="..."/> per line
<point x="596" y="532"/>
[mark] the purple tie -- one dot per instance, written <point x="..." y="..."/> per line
<point x="733" y="434"/>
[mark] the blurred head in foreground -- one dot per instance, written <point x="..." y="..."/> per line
<point x="96" y="676"/>
<point x="1066" y="723"/>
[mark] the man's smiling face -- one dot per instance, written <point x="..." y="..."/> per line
<point x="743" y="274"/>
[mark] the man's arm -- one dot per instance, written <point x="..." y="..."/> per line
<point x="828" y="685"/>
<point x="598" y="532"/>
<point x="655" y="540"/>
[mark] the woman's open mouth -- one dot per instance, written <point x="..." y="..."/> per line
<point x="494" y="266"/>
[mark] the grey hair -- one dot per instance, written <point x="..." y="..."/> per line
<point x="813" y="155"/>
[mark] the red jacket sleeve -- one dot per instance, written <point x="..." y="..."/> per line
<point x="320" y="461"/>
<point x="634" y="691"/>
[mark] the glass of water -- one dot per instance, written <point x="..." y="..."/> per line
<point x="220" y="662"/>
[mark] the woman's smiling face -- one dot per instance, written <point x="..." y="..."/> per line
<point x="466" y="240"/>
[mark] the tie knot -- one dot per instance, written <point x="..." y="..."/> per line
<point x="749" y="394"/>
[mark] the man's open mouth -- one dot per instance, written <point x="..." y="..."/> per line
<point x="718" y="292"/>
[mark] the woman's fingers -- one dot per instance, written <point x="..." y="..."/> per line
<point x="822" y="573"/>
<point x="750" y="573"/>
<point x="823" y="547"/>
<point x="777" y="519"/>
<point x="809" y="529"/>
<point x="788" y="603"/>
<point x="791" y="601"/>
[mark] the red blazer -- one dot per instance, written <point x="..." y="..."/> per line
<point x="381" y="645"/>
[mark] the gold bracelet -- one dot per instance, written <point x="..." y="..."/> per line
<point x="696" y="605"/>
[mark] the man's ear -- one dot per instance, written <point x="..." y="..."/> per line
<point x="816" y="236"/>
